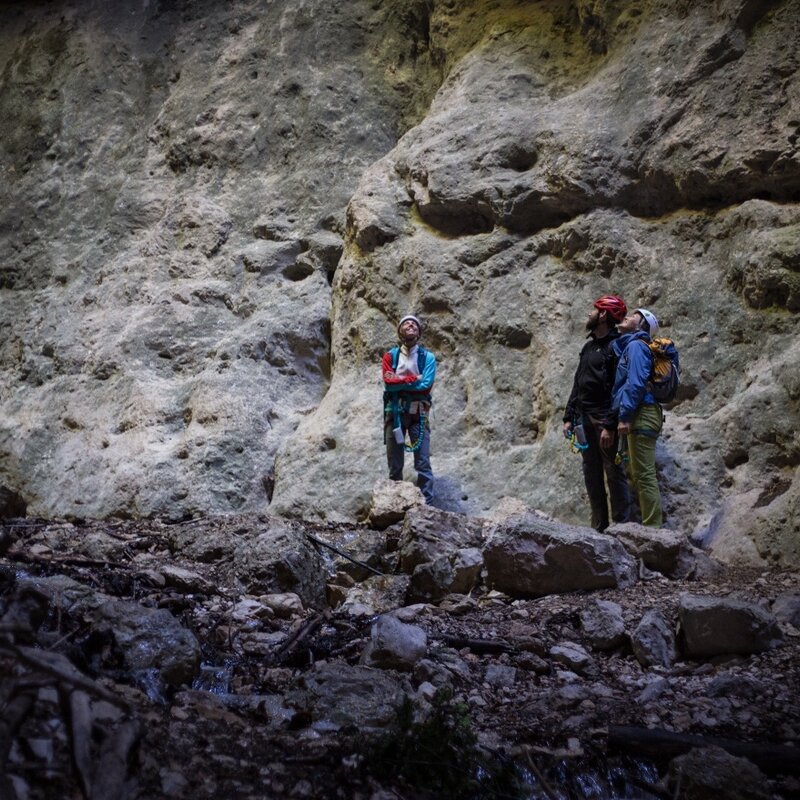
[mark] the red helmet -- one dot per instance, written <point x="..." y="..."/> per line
<point x="614" y="305"/>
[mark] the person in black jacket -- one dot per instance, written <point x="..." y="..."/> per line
<point x="589" y="406"/>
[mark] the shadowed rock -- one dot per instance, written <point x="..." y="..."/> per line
<point x="712" y="626"/>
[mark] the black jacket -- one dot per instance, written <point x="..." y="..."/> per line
<point x="594" y="381"/>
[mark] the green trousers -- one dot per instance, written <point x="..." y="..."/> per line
<point x="645" y="427"/>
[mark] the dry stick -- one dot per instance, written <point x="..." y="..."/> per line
<point x="343" y="554"/>
<point x="12" y="716"/>
<point x="664" y="745"/>
<point x="301" y="633"/>
<point x="477" y="645"/>
<point x="80" y="712"/>
<point x="70" y="561"/>
<point x="112" y="769"/>
<point x="61" y="668"/>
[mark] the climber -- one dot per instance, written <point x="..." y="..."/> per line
<point x="408" y="372"/>
<point x="640" y="417"/>
<point x="589" y="406"/>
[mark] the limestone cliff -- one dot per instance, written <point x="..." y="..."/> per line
<point x="185" y="296"/>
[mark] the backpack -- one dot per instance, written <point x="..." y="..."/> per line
<point x="666" y="373"/>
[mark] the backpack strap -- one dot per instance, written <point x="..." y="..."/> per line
<point x="422" y="354"/>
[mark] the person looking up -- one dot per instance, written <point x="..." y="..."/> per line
<point x="408" y="373"/>
<point x="589" y="406"/>
<point x="640" y="417"/>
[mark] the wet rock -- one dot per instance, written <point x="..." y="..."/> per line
<point x="394" y="645"/>
<point x="653" y="640"/>
<point x="390" y="502"/>
<point x="603" y="624"/>
<point x="150" y="639"/>
<point x="712" y="626"/>
<point x="709" y="773"/>
<point x="142" y="638"/>
<point x="366" y="698"/>
<point x="530" y="557"/>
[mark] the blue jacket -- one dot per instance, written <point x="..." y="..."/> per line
<point x="423" y="384"/>
<point x="633" y="374"/>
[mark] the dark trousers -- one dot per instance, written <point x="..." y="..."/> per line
<point x="395" y="454"/>
<point x="598" y="463"/>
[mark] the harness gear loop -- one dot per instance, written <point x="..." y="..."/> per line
<point x="574" y="445"/>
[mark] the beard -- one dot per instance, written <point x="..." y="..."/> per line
<point x="592" y="323"/>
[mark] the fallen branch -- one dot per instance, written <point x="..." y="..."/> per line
<point x="665" y="745"/>
<point x="477" y="645"/>
<point x="305" y="630"/>
<point x="343" y="554"/>
<point x="62" y="669"/>
<point x="70" y="561"/>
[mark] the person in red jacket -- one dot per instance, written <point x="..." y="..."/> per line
<point x="408" y="373"/>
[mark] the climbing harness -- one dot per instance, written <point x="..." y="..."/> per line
<point x="393" y="408"/>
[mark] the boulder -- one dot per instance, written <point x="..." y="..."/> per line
<point x="363" y="698"/>
<point x="149" y="639"/>
<point x="429" y="533"/>
<point x="142" y="639"/>
<point x="530" y="556"/>
<point x="712" y="626"/>
<point x="786" y="608"/>
<point x="456" y="573"/>
<point x="572" y="655"/>
<point x="376" y="595"/>
<point x="283" y="605"/>
<point x="277" y="560"/>
<point x="185" y="580"/>
<point x="658" y="548"/>
<point x="394" y="645"/>
<point x="710" y="773"/>
<point x="603" y="624"/>
<point x="653" y="640"/>
<point x="390" y="502"/>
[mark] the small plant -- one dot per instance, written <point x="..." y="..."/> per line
<point x="440" y="756"/>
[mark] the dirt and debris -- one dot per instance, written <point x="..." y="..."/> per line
<point x="509" y="699"/>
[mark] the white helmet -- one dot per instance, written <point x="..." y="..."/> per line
<point x="413" y="319"/>
<point x="652" y="323"/>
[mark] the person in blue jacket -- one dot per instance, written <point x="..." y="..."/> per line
<point x="408" y="373"/>
<point x="640" y="417"/>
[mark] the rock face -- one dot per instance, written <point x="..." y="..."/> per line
<point x="213" y="215"/>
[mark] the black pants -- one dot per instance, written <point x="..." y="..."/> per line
<point x="598" y="462"/>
